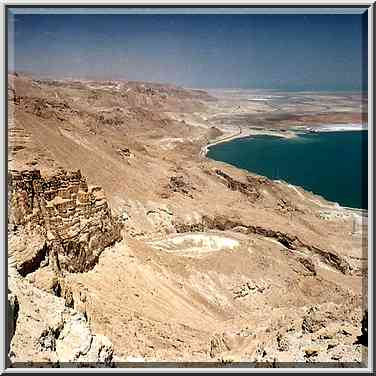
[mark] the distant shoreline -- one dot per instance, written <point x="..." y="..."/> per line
<point x="241" y="133"/>
<point x="357" y="210"/>
<point x="246" y="134"/>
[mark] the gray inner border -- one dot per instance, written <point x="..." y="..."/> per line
<point x="190" y="10"/>
<point x="357" y="8"/>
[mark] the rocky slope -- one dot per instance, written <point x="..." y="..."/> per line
<point x="183" y="259"/>
<point x="45" y="332"/>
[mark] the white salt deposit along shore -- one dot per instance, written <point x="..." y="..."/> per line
<point x="264" y="98"/>
<point x="338" y="128"/>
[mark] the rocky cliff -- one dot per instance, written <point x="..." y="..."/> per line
<point x="58" y="219"/>
<point x="47" y="333"/>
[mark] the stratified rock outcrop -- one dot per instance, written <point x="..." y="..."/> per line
<point x="58" y="219"/>
<point x="179" y="184"/>
<point x="249" y="188"/>
<point x="46" y="108"/>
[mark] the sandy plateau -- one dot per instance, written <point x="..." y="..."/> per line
<point x="127" y="244"/>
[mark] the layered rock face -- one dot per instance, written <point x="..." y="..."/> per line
<point x="64" y="219"/>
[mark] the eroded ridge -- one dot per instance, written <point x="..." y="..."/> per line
<point x="289" y="241"/>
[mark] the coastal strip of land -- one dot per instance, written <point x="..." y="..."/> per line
<point x="245" y="133"/>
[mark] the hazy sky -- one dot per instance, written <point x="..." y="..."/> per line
<point x="306" y="52"/>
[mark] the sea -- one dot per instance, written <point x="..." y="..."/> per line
<point x="333" y="165"/>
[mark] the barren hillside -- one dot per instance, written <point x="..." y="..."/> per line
<point x="159" y="253"/>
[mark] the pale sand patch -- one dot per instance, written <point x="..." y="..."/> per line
<point x="195" y="243"/>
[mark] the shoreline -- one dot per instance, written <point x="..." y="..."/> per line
<point x="361" y="212"/>
<point x="291" y="133"/>
<point x="246" y="134"/>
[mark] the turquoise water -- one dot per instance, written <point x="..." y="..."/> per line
<point x="331" y="164"/>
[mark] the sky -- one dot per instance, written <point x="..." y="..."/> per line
<point x="272" y="51"/>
